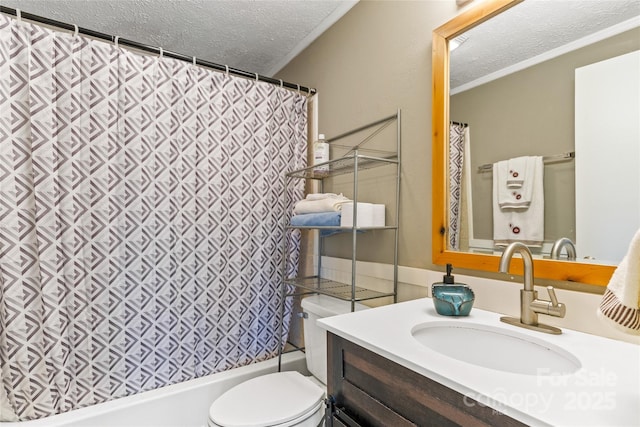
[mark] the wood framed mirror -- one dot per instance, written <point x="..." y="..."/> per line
<point x="572" y="271"/>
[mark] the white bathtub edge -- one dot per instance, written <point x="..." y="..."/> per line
<point x="211" y="386"/>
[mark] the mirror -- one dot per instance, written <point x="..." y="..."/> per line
<point x="579" y="271"/>
<point x="518" y="96"/>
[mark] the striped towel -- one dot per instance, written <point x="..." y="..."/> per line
<point x="620" y="306"/>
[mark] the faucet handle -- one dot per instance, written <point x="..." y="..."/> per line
<point x="554" y="308"/>
<point x="552" y="296"/>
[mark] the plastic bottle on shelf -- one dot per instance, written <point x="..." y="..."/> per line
<point x="321" y="153"/>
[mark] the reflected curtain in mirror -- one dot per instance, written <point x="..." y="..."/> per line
<point x="458" y="146"/>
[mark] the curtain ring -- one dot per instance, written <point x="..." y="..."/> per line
<point x="257" y="80"/>
<point x="226" y="67"/>
<point x="298" y="88"/>
<point x="161" y="52"/>
<point x="75" y="30"/>
<point x="194" y="61"/>
<point x="18" y="15"/>
<point x="115" y="41"/>
<point x="281" y="84"/>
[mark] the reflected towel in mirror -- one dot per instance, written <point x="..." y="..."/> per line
<point x="516" y="181"/>
<point x="524" y="225"/>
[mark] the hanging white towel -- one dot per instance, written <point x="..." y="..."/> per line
<point x="520" y="224"/>
<point x="620" y="306"/>
<point x="500" y="175"/>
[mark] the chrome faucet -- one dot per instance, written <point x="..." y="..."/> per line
<point x="563" y="242"/>
<point x="530" y="305"/>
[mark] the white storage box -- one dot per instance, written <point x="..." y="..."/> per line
<point x="369" y="215"/>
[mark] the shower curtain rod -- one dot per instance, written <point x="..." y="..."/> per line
<point x="459" y="123"/>
<point x="153" y="49"/>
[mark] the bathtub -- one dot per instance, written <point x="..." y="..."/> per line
<point x="179" y="405"/>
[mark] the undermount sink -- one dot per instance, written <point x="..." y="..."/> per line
<point x="496" y="348"/>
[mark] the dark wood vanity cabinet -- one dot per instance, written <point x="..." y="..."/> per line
<point x="374" y="391"/>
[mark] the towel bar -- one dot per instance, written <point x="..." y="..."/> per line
<point x="570" y="155"/>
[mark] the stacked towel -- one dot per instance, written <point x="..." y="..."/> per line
<point x="620" y="306"/>
<point x="319" y="210"/>
<point x="320" y="219"/>
<point x="317" y="203"/>
<point x="518" y="212"/>
<point x="321" y="196"/>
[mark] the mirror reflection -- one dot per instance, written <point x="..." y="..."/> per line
<point x="544" y="135"/>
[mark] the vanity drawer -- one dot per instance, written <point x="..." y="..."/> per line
<point x="375" y="391"/>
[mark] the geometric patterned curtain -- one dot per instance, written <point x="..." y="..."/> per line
<point x="141" y="225"/>
<point x="457" y="132"/>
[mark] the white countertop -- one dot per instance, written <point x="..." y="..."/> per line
<point x="605" y="391"/>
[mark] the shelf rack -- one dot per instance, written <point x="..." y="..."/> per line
<point x="352" y="162"/>
<point x="355" y="160"/>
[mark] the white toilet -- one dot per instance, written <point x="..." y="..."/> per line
<point x="285" y="399"/>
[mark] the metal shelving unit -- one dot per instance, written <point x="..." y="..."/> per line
<point x="356" y="160"/>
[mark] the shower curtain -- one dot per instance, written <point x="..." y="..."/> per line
<point x="141" y="225"/>
<point x="457" y="134"/>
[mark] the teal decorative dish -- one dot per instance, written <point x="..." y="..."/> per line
<point x="452" y="300"/>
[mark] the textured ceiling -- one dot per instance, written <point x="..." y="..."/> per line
<point x="254" y="36"/>
<point x="532" y="28"/>
<point x="263" y="36"/>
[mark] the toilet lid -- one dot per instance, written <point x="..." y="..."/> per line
<point x="266" y="401"/>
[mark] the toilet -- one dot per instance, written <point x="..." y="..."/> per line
<point x="285" y="399"/>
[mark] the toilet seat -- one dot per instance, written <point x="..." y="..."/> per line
<point x="282" y="398"/>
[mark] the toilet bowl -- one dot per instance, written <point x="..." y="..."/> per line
<point x="285" y="399"/>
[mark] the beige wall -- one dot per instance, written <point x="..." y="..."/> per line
<point x="531" y="112"/>
<point x="373" y="61"/>
<point x="376" y="59"/>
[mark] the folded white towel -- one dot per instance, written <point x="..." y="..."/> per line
<point x="333" y="203"/>
<point x="320" y="196"/>
<point x="620" y="306"/>
<point x="520" y="225"/>
<point x="517" y="172"/>
<point x="510" y="172"/>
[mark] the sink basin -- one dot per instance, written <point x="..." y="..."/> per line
<point x="496" y="348"/>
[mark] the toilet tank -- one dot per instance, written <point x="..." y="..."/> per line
<point x="315" y="338"/>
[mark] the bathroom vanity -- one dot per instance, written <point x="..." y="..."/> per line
<point x="403" y="365"/>
<point x="374" y="391"/>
